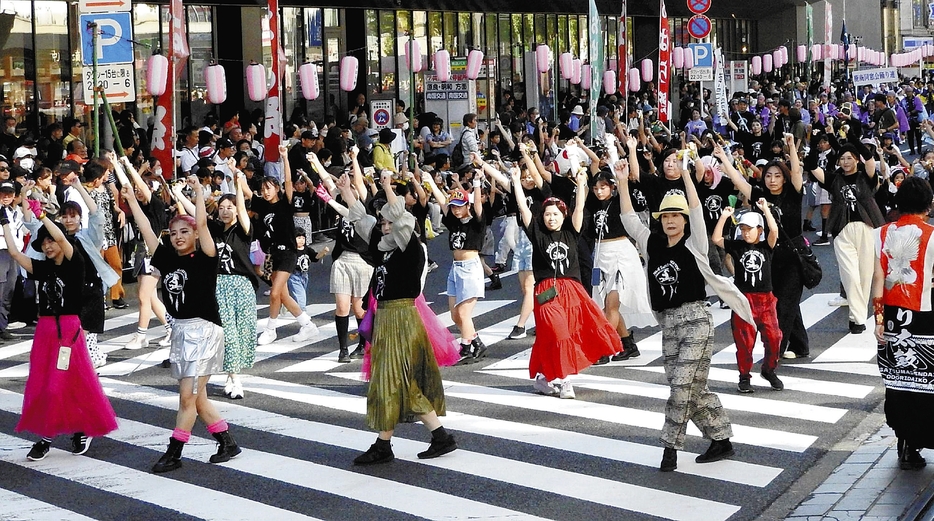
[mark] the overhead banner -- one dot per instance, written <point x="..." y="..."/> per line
<point x="163" y="132"/>
<point x="596" y="49"/>
<point x="875" y="76"/>
<point x="723" y="104"/>
<point x="828" y="39"/>
<point x="622" y="53"/>
<point x="272" y="129"/>
<point x="664" y="64"/>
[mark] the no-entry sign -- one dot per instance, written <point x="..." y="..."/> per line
<point x="699" y="26"/>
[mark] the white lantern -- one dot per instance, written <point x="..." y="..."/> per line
<point x="308" y="74"/>
<point x="565" y="63"/>
<point x="474" y="62"/>
<point x="215" y="77"/>
<point x="757" y="65"/>
<point x="443" y="65"/>
<point x="777" y="58"/>
<point x="576" y="71"/>
<point x="677" y="57"/>
<point x="634" y="80"/>
<point x="543" y="58"/>
<point x="609" y="82"/>
<point x="348" y="77"/>
<point x="648" y="70"/>
<point x="157" y="73"/>
<point x="767" y="63"/>
<point x="688" y="59"/>
<point x="256" y="81"/>
<point x="413" y="55"/>
<point x="801" y="53"/>
<point x="586" y="77"/>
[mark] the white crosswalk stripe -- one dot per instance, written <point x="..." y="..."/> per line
<point x="533" y="433"/>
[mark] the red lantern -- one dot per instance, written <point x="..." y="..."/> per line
<point x="443" y="65"/>
<point x="308" y="74"/>
<point x="348" y="77"/>
<point x="256" y="81"/>
<point x="215" y="77"/>
<point x="474" y="62"/>
<point x="156" y="74"/>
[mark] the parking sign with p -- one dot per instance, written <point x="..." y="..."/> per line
<point x="703" y="54"/>
<point x="114" y="41"/>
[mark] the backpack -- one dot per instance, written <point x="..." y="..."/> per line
<point x="457" y="155"/>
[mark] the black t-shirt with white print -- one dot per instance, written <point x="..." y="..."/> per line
<point x="554" y="253"/>
<point x="398" y="273"/>
<point x="303" y="202"/>
<point x="674" y="278"/>
<point x="714" y="200"/>
<point x="277" y="229"/>
<point x="189" y="283"/>
<point x="464" y="235"/>
<point x="752" y="265"/>
<point x="233" y="251"/>
<point x="61" y="286"/>
<point x="306" y="256"/>
<point x="605" y="221"/>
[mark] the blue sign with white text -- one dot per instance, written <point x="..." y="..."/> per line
<point x="703" y="54"/>
<point x="114" y="39"/>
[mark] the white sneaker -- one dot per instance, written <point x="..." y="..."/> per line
<point x="229" y="385"/>
<point x="789" y="355"/>
<point x="543" y="386"/>
<point x="307" y="332"/>
<point x="138" y="341"/>
<point x="268" y="336"/>
<point x="567" y="391"/>
<point x="236" y="392"/>
<point x="838" y="301"/>
<point x="99" y="361"/>
<point x="166" y="341"/>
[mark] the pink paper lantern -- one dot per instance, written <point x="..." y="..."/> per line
<point x="576" y="71"/>
<point x="767" y="63"/>
<point x="586" y="77"/>
<point x="543" y="58"/>
<point x="634" y="83"/>
<point x="443" y="65"/>
<point x="565" y="63"/>
<point x="801" y="53"/>
<point x="413" y="55"/>
<point x="817" y="52"/>
<point x="894" y="60"/>
<point x="688" y="59"/>
<point x="308" y="74"/>
<point x="609" y="82"/>
<point x="777" y="58"/>
<point x="348" y="75"/>
<point x="757" y="65"/>
<point x="215" y="77"/>
<point x="648" y="70"/>
<point x="157" y="72"/>
<point x="841" y="53"/>
<point x="784" y="54"/>
<point x="256" y="81"/>
<point x="474" y="62"/>
<point x="677" y="57"/>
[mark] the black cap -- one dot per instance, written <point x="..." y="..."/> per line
<point x="310" y="134"/>
<point x="67" y="167"/>
<point x="224" y="143"/>
<point x="7" y="186"/>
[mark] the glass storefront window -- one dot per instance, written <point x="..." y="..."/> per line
<point x="201" y="43"/>
<point x="387" y="59"/>
<point x="16" y="88"/>
<point x="52" y="65"/>
<point x="562" y="33"/>
<point x="450" y="33"/>
<point x="435" y="33"/>
<point x="372" y="52"/>
<point x="575" y="35"/>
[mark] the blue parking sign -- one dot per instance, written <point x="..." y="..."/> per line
<point x="114" y="40"/>
<point x="703" y="54"/>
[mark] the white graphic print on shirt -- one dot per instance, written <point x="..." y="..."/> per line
<point x="267" y="222"/>
<point x="458" y="239"/>
<point x="667" y="277"/>
<point x="54" y="291"/>
<point x="849" y="196"/>
<point x="174" y="283"/>
<point x="225" y="252"/>
<point x="752" y="262"/>
<point x="557" y="252"/>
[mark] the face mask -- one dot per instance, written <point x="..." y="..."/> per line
<point x="327" y="164"/>
<point x="27" y="163"/>
<point x="158" y="172"/>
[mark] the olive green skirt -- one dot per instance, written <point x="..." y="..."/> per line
<point x="404" y="379"/>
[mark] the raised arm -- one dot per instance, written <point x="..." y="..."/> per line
<point x="717" y="236"/>
<point x="478" y="194"/>
<point x="243" y="216"/>
<point x="141" y="185"/>
<point x="145" y="229"/>
<point x="201" y="218"/>
<point x="439" y="195"/>
<point x="185" y="206"/>
<point x="577" y="218"/>
<point x="726" y="166"/>
<point x="524" y="212"/>
<point x="286" y="173"/>
<point x="772" y="238"/>
<point x="17" y="255"/>
<point x="797" y="172"/>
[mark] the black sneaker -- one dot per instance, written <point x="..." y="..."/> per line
<point x="39" y="450"/>
<point x="856" y="329"/>
<point x="342" y="356"/>
<point x="605" y="359"/>
<point x="439" y="448"/>
<point x="376" y="454"/>
<point x="357" y="353"/>
<point x="669" y="460"/>
<point x="808" y="227"/>
<point x="80" y="443"/>
<point x="6" y="335"/>
<point x="517" y="333"/>
<point x="495" y="283"/>
<point x="630" y="350"/>
<point x="120" y="304"/>
<point x="774" y="381"/>
<point x="718" y="450"/>
<point x="479" y="348"/>
<point x="745" y="386"/>
<point x="466" y="356"/>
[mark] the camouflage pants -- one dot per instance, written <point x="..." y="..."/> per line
<point x="687" y="341"/>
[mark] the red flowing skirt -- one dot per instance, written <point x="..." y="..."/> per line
<point x="63" y="401"/>
<point x="571" y="333"/>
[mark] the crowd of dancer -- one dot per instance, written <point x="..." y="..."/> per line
<point x="612" y="225"/>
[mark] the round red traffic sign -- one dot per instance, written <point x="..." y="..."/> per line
<point x="699" y="26"/>
<point x="381" y="117"/>
<point x="698" y="6"/>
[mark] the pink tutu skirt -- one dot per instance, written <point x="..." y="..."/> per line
<point x="60" y="401"/>
<point x="447" y="352"/>
<point x="571" y="333"/>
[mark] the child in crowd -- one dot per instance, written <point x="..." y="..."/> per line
<point x="298" y="280"/>
<point x="753" y="276"/>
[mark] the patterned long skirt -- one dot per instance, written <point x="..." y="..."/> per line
<point x="236" y="301"/>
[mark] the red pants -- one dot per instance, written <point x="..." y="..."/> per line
<point x="744" y="333"/>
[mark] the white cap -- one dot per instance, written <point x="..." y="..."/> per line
<point x="751" y="219"/>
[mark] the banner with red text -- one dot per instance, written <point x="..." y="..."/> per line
<point x="622" y="53"/>
<point x="664" y="64"/>
<point x="272" y="129"/>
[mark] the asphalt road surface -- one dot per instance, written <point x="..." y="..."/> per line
<point x="521" y="455"/>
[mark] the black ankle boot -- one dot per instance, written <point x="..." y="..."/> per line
<point x="466" y="356"/>
<point x="479" y="348"/>
<point x="669" y="460"/>
<point x="358" y="353"/>
<point x="226" y="449"/>
<point x="343" y="357"/>
<point x="718" y="450"/>
<point x="441" y="444"/>
<point x="172" y="459"/>
<point x="910" y="458"/>
<point x="379" y="452"/>
<point x="630" y="349"/>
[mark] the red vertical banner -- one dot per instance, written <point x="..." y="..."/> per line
<point x="622" y="52"/>
<point x="272" y="129"/>
<point x="664" y="63"/>
<point x="163" y="133"/>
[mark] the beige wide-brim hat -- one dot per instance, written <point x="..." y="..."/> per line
<point x="672" y="203"/>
